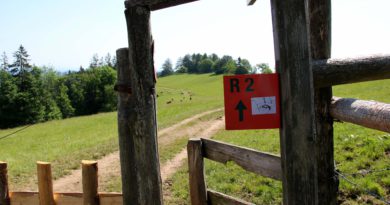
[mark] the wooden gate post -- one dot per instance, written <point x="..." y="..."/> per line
<point x="320" y="44"/>
<point x="137" y="124"/>
<point x="298" y="131"/>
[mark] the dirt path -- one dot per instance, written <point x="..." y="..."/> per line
<point x="109" y="166"/>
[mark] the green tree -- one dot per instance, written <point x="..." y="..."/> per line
<point x="167" y="68"/>
<point x="21" y="63"/>
<point x="63" y="101"/>
<point x="243" y="66"/>
<point x="8" y="93"/>
<point x="263" y="68"/>
<point x="108" y="60"/>
<point x="206" y="66"/>
<point x="94" y="61"/>
<point x="50" y="80"/>
<point x="187" y="62"/>
<point x="214" y="57"/>
<point x="114" y="62"/>
<point x="224" y="64"/>
<point x="4" y="62"/>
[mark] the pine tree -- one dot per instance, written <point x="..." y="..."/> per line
<point x="21" y="63"/>
<point x="167" y="68"/>
<point x="94" y="61"/>
<point x="107" y="60"/>
<point x="4" y="62"/>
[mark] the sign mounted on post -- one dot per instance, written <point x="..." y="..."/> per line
<point x="252" y="101"/>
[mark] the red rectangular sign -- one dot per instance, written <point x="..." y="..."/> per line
<point x="252" y="101"/>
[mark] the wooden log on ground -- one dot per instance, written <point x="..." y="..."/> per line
<point x="320" y="44"/>
<point x="156" y="4"/>
<point x="137" y="123"/>
<point x="198" y="192"/>
<point x="297" y="133"/>
<point x="216" y="198"/>
<point x="90" y="182"/>
<point x="265" y="164"/>
<point x="4" y="191"/>
<point x="351" y="70"/>
<point x="369" y="114"/>
<point x="45" y="184"/>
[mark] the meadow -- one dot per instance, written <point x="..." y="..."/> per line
<point x="65" y="143"/>
<point x="361" y="155"/>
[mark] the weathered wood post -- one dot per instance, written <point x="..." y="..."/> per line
<point x="90" y="182"/>
<point x="198" y="190"/>
<point x="137" y="124"/>
<point x="302" y="33"/>
<point x="45" y="184"/>
<point x="320" y="46"/>
<point x="4" y="192"/>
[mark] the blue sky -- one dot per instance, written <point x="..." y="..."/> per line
<point x="66" y="34"/>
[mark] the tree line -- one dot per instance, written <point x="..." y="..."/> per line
<point x="31" y="94"/>
<point x="204" y="63"/>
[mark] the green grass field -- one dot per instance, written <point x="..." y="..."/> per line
<point x="358" y="151"/>
<point x="66" y="142"/>
<point x="361" y="154"/>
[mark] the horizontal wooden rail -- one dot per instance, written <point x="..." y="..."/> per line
<point x="351" y="70"/>
<point x="216" y="198"/>
<point x="32" y="198"/>
<point x="251" y="2"/>
<point x="156" y="4"/>
<point x="265" y="164"/>
<point x="369" y="114"/>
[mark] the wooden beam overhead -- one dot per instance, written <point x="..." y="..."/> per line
<point x="156" y="4"/>
<point x="251" y="2"/>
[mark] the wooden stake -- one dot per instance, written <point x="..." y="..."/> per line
<point x="137" y="123"/>
<point x="45" y="184"/>
<point x="4" y="192"/>
<point x="198" y="189"/>
<point x="90" y="182"/>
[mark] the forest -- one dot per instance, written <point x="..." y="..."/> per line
<point x="30" y="94"/>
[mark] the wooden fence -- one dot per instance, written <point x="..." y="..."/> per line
<point x="251" y="160"/>
<point x="302" y="41"/>
<point x="46" y="196"/>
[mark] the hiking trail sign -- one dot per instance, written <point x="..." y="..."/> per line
<point x="252" y="101"/>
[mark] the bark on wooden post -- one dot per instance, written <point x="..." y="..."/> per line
<point x="293" y="58"/>
<point x="4" y="192"/>
<point x="198" y="191"/>
<point x="320" y="42"/>
<point x="45" y="184"/>
<point x="137" y="124"/>
<point x="90" y="182"/>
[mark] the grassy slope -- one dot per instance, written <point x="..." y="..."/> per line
<point x="357" y="149"/>
<point x="66" y="142"/>
<point x="191" y="94"/>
